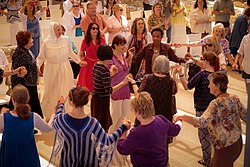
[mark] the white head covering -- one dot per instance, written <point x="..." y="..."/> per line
<point x="52" y="36"/>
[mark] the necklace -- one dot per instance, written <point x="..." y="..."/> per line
<point x="219" y="94"/>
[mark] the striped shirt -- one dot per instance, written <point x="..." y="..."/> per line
<point x="90" y="146"/>
<point x="101" y="79"/>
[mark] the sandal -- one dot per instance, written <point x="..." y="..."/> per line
<point x="202" y="162"/>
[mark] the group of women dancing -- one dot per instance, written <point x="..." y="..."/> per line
<point x="108" y="74"/>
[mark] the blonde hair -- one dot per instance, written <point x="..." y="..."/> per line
<point x="143" y="103"/>
<point x="220" y="26"/>
<point x="117" y="7"/>
<point x="216" y="45"/>
<point x="161" y="65"/>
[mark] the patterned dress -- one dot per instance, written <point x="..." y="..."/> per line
<point x="154" y="20"/>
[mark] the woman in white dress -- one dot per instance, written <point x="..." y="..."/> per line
<point x="200" y="18"/>
<point x="58" y="75"/>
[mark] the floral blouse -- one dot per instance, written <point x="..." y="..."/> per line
<point x="222" y="118"/>
<point x="153" y="20"/>
<point x="24" y="57"/>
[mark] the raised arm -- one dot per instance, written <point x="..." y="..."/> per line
<point x="40" y="124"/>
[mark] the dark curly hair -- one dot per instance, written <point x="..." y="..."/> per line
<point x="23" y="38"/>
<point x="88" y="37"/>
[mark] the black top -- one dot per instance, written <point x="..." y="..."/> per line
<point x="161" y="90"/>
<point x="23" y="57"/>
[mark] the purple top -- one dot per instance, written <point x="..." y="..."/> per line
<point x="147" y="144"/>
<point x="123" y="92"/>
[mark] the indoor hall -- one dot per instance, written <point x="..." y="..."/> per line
<point x="184" y="151"/>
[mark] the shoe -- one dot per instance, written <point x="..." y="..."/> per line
<point x="202" y="162"/>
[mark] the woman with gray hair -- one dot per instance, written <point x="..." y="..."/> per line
<point x="161" y="87"/>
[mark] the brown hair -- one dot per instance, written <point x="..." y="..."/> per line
<point x="212" y="59"/>
<point x="23" y="38"/>
<point x="158" y="4"/>
<point x="26" y="10"/>
<point x="220" y="79"/>
<point x="20" y="96"/>
<point x="118" y="40"/>
<point x="134" y="26"/>
<point x="143" y="103"/>
<point x="79" y="96"/>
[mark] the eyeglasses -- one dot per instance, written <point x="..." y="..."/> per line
<point x="95" y="28"/>
<point x="209" y="44"/>
<point x="75" y="6"/>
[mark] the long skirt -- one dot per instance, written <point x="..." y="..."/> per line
<point x="100" y="110"/>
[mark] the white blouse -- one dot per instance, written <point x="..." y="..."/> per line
<point x="113" y="22"/>
<point x="197" y="15"/>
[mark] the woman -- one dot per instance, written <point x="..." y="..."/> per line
<point x="121" y="98"/>
<point x="202" y="97"/>
<point x="167" y="11"/>
<point x="151" y="51"/>
<point x="138" y="38"/>
<point x="30" y="20"/>
<point x="218" y="33"/>
<point x="147" y="143"/>
<point x="117" y="24"/>
<point x="108" y="9"/>
<point x="200" y="18"/>
<point x="12" y="6"/>
<point x="90" y="44"/>
<point x="58" y="75"/>
<point x="243" y="53"/>
<point x="18" y="147"/>
<point x="73" y="21"/>
<point x="161" y="86"/>
<point x="179" y="13"/>
<point x="23" y="57"/>
<point x="81" y="135"/>
<point x="157" y="19"/>
<point x="212" y="45"/>
<point x="222" y="118"/>
<point x="100" y="102"/>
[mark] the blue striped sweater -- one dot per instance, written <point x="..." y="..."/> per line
<point x="90" y="146"/>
